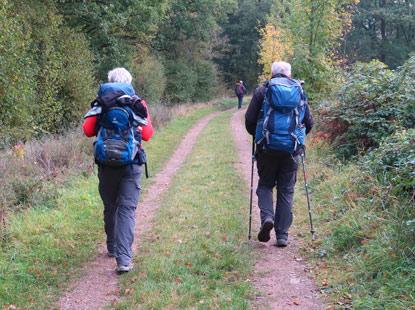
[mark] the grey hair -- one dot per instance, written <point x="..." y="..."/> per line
<point x="281" y="67"/>
<point x="119" y="75"/>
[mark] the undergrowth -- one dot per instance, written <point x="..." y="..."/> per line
<point x="365" y="244"/>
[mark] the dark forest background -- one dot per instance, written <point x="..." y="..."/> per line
<point x="53" y="54"/>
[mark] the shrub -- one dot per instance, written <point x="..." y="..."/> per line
<point x="46" y="73"/>
<point x="149" y="77"/>
<point x="371" y="105"/>
<point x="181" y="79"/>
<point x="394" y="161"/>
<point x="65" y="77"/>
<point x="205" y="85"/>
<point x="16" y="77"/>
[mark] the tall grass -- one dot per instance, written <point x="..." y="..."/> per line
<point x="31" y="174"/>
<point x="366" y="242"/>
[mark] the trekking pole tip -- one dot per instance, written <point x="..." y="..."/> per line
<point x="249" y="242"/>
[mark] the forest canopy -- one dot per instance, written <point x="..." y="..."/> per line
<point x="53" y="54"/>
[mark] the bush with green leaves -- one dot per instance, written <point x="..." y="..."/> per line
<point x="393" y="161"/>
<point x="16" y="76"/>
<point x="205" y="83"/>
<point x="149" y="79"/>
<point x="180" y="81"/>
<point x="372" y="104"/>
<point x="46" y="72"/>
<point x="64" y="79"/>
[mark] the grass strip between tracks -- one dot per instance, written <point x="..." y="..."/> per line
<point x="195" y="257"/>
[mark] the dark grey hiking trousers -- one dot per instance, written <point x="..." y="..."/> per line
<point x="277" y="168"/>
<point x="119" y="188"/>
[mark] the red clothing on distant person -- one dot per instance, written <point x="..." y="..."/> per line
<point x="146" y="133"/>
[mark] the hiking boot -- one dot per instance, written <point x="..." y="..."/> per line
<point x="264" y="232"/>
<point x="282" y="242"/>
<point x="122" y="268"/>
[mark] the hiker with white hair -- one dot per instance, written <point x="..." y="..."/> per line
<point x="278" y="117"/>
<point x="120" y="120"/>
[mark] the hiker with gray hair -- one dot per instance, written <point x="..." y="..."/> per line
<point x="120" y="120"/>
<point x="279" y="117"/>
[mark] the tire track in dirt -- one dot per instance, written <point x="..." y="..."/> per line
<point x="278" y="272"/>
<point x="99" y="285"/>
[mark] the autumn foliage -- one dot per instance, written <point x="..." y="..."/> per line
<point x="272" y="48"/>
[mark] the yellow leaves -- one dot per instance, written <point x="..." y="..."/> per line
<point x="274" y="46"/>
<point x="18" y="150"/>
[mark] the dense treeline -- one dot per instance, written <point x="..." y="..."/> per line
<point x="54" y="53"/>
<point x="45" y="71"/>
<point x="382" y="29"/>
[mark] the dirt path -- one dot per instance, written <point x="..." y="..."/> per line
<point x="100" y="284"/>
<point x="278" y="271"/>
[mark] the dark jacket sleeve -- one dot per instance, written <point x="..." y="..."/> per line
<point x="255" y="106"/>
<point x="308" y="119"/>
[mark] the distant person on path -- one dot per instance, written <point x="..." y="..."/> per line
<point x="240" y="91"/>
<point x="279" y="117"/>
<point x="120" y="120"/>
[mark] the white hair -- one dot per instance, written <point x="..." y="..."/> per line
<point x="119" y="75"/>
<point x="281" y="67"/>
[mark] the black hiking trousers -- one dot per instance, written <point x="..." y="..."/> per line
<point x="277" y="169"/>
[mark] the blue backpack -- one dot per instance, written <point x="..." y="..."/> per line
<point x="279" y="126"/>
<point x="116" y="144"/>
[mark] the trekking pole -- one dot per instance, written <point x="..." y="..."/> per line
<point x="252" y="186"/>
<point x="308" y="199"/>
<point x="146" y="170"/>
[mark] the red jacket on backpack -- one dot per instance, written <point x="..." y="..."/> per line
<point x="146" y="133"/>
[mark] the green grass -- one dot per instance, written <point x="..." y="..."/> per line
<point x="365" y="249"/>
<point x="165" y="140"/>
<point x="196" y="256"/>
<point x="43" y="248"/>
